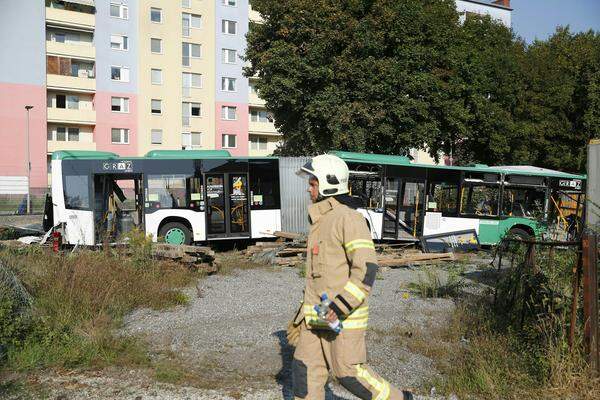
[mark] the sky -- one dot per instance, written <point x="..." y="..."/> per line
<point x="538" y="19"/>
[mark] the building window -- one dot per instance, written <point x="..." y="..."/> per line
<point x="63" y="101"/>
<point x="190" y="110"/>
<point x="190" y="50"/>
<point x="119" y="136"/>
<point x="63" y="134"/>
<point x="229" y="113"/>
<point x="228" y="141"/>
<point x="260" y="116"/>
<point x="189" y="21"/>
<point x="156" y="136"/>
<point x="156" y="106"/>
<point x="119" y="42"/>
<point x="119" y="11"/>
<point x="252" y="88"/>
<point x="156" y="76"/>
<point x="228" y="27"/>
<point x="186" y="3"/>
<point x="120" y="74"/>
<point x="192" y="80"/>
<point x="229" y="56"/>
<point x="258" y="143"/>
<point x="230" y="3"/>
<point x="228" y="84"/>
<point x="119" y="104"/>
<point x="191" y="140"/>
<point x="156" y="45"/>
<point x="156" y="15"/>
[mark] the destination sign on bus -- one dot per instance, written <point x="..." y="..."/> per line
<point x="118" y="166"/>
<point x="570" y="184"/>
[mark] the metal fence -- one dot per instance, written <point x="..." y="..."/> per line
<point x="294" y="198"/>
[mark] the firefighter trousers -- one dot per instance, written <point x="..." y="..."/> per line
<point x="319" y="351"/>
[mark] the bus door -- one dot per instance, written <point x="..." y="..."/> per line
<point x="227" y="205"/>
<point x="390" y="205"/>
<point x="118" y="205"/>
<point x="411" y="207"/>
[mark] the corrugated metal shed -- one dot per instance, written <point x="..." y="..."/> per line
<point x="294" y="198"/>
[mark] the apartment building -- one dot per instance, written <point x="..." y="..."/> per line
<point x="126" y="76"/>
<point x="130" y="76"/>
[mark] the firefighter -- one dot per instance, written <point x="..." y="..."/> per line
<point x="341" y="263"/>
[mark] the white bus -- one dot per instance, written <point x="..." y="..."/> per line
<point x="180" y="196"/>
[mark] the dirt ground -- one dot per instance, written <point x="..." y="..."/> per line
<point x="229" y="341"/>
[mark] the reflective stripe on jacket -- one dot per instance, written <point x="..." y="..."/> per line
<point x="341" y="262"/>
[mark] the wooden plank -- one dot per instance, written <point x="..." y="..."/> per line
<point x="288" y="235"/>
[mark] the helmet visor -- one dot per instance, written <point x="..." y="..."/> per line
<point x="306" y="171"/>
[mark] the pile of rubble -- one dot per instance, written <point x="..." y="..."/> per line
<point x="292" y="253"/>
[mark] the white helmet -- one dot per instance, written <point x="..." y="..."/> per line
<point x="331" y="172"/>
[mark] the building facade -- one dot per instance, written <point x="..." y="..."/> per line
<point x="126" y="76"/>
<point x="131" y="76"/>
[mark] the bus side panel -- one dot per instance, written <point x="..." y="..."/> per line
<point x="263" y="221"/>
<point x="510" y="222"/>
<point x="80" y="227"/>
<point x="436" y="223"/>
<point x="489" y="231"/>
<point x="58" y="196"/>
<point x="195" y="218"/>
<point x="79" y="224"/>
<point x="375" y="221"/>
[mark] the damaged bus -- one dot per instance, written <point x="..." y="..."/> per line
<point x="180" y="196"/>
<point x="405" y="201"/>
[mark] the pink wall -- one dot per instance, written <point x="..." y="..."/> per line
<point x="106" y="120"/>
<point x="13" y="99"/>
<point x="238" y="127"/>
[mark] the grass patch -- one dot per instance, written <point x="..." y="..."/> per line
<point x="434" y="281"/>
<point x="488" y="351"/>
<point x="78" y="301"/>
<point x="230" y="261"/>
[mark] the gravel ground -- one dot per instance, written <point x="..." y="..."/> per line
<point x="234" y="332"/>
<point x="231" y="337"/>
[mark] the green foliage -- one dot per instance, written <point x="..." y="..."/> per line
<point x="78" y="301"/>
<point x="437" y="282"/>
<point x="385" y="76"/>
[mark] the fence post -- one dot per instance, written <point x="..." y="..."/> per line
<point x="590" y="298"/>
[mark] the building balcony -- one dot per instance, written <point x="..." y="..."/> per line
<point x="79" y="51"/>
<point x="71" y="83"/>
<point x="254" y="100"/>
<point x="68" y="18"/>
<point x="263" y="128"/>
<point x="254" y="16"/>
<point x="55" y="145"/>
<point x="70" y="116"/>
<point x="193" y="124"/>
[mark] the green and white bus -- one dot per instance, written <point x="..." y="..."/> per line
<point x="405" y="200"/>
<point x="182" y="196"/>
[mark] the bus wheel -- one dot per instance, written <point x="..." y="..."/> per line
<point x="176" y="233"/>
<point x="519" y="233"/>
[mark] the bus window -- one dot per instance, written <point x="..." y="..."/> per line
<point x="523" y="202"/>
<point x="167" y="191"/>
<point x="264" y="185"/>
<point x="443" y="198"/>
<point x="480" y="199"/>
<point x="77" y="194"/>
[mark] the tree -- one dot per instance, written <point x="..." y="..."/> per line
<point x="360" y="75"/>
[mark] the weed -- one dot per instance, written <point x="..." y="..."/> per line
<point x="436" y="282"/>
<point x="168" y="371"/>
<point x="78" y="301"/>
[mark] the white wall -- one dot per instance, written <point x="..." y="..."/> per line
<point x="501" y="14"/>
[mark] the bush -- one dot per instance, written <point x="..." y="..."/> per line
<point x="78" y="301"/>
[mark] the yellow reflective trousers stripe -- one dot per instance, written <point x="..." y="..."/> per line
<point x="355" y="291"/>
<point x="381" y="386"/>
<point x="358" y="319"/>
<point x="359" y="244"/>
